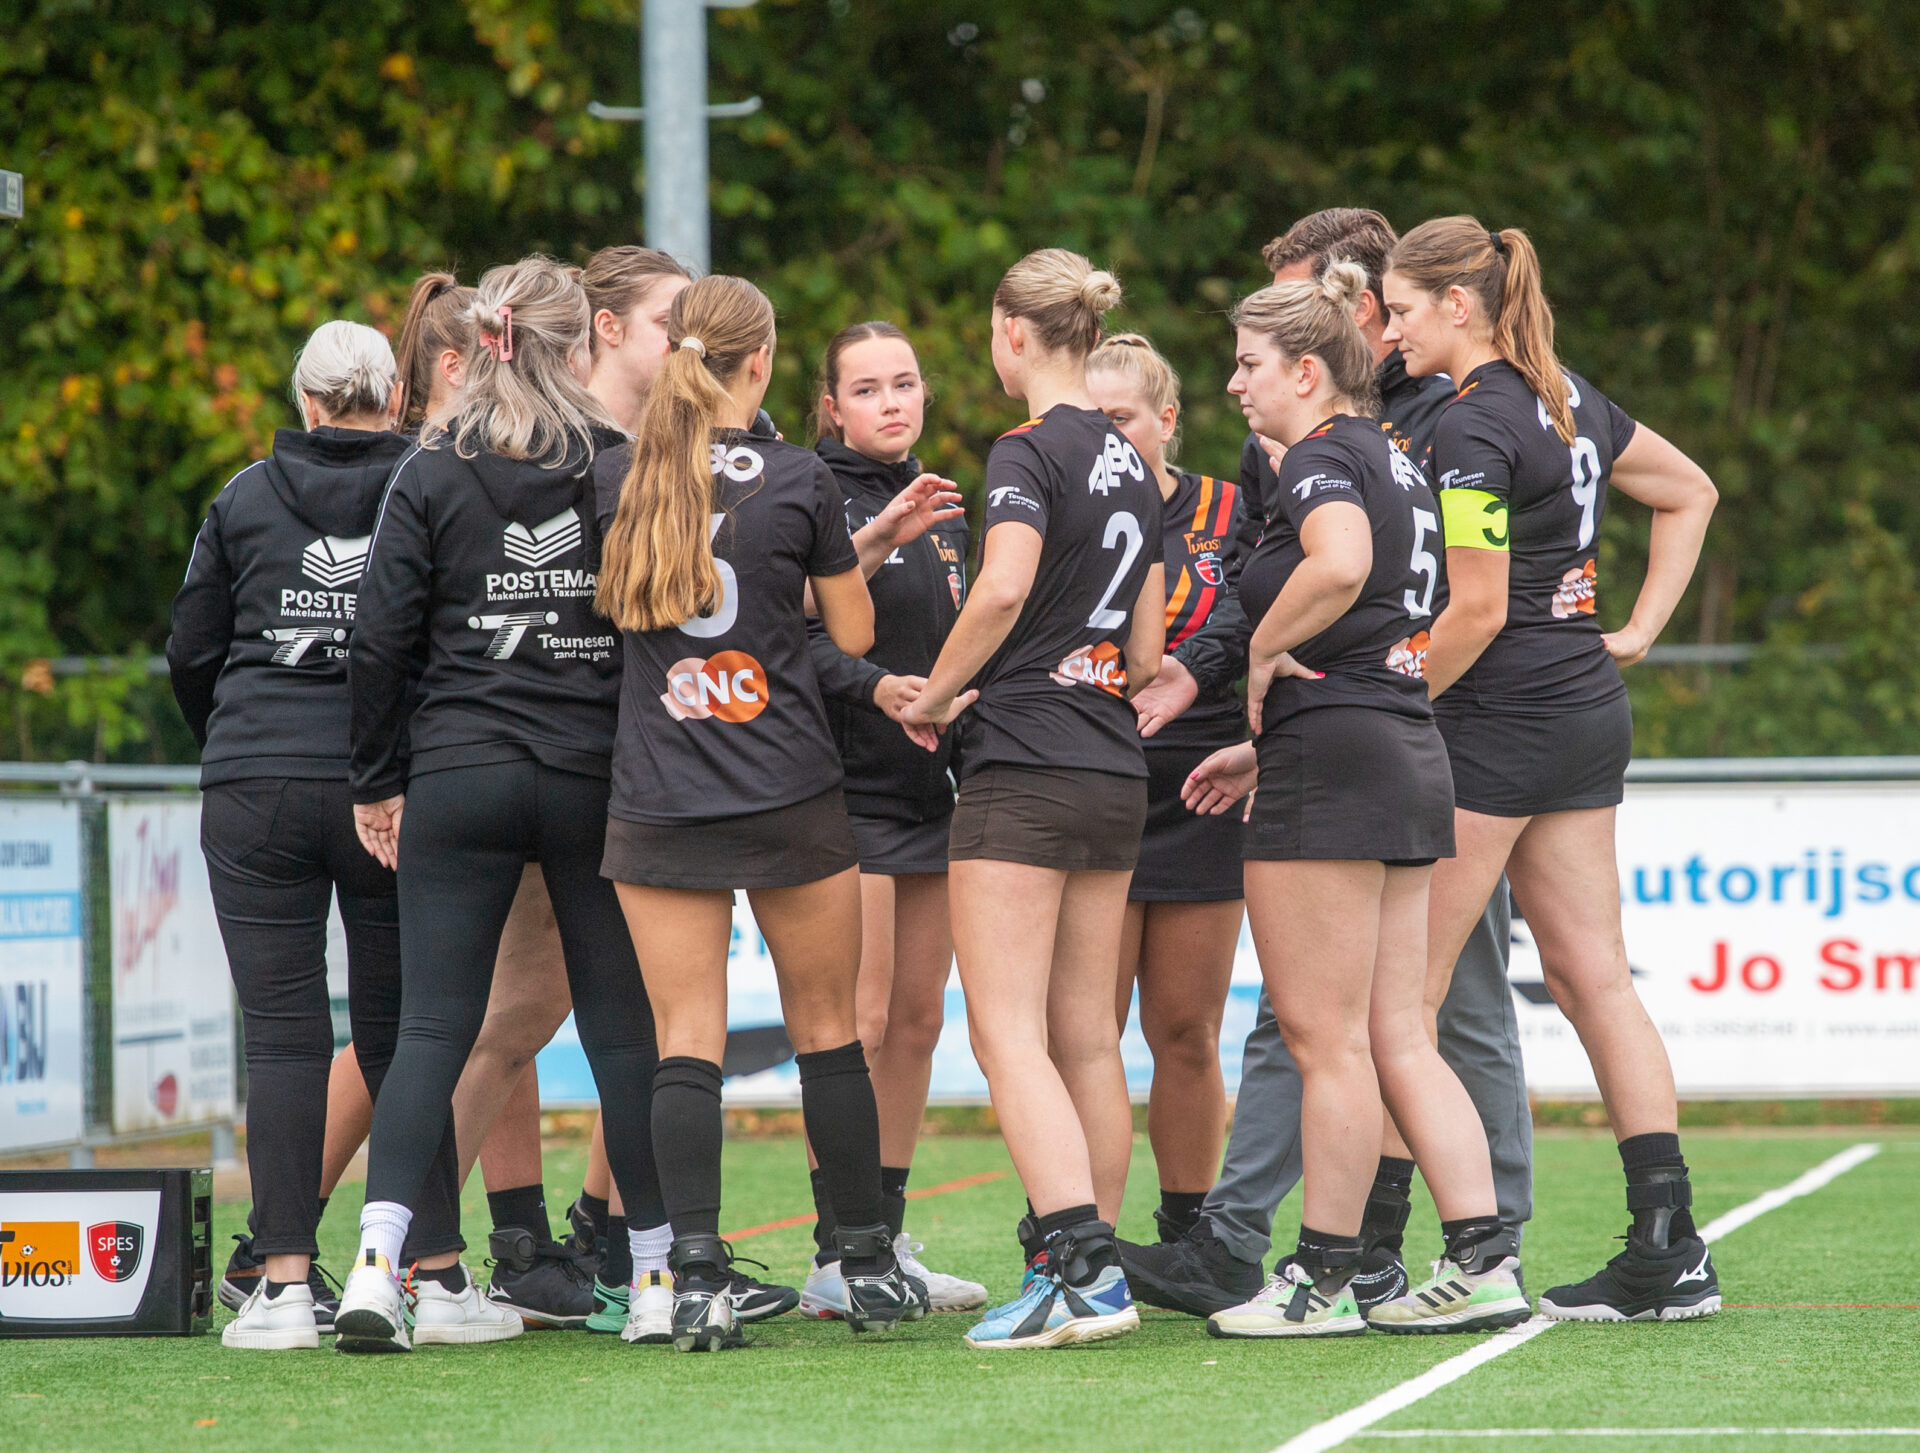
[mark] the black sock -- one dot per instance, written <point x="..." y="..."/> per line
<point x="522" y="1206"/>
<point x="687" y="1131"/>
<point x="836" y="1101"/>
<point x="616" y="1265"/>
<point x="1324" y="1255"/>
<point x="1088" y="1251"/>
<point x="274" y="1288"/>
<point x="1179" y="1210"/>
<point x="453" y="1278"/>
<point x="1659" y="1192"/>
<point x="824" y="1252"/>
<point x="1389" y="1204"/>
<point x="597" y="1213"/>
<point x="893" y="1196"/>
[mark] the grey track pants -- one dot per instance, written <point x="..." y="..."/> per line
<point x="1479" y="1037"/>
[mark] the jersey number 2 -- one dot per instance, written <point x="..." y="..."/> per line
<point x="1123" y="529"/>
<point x="719" y="620"/>
<point x="1422" y="563"/>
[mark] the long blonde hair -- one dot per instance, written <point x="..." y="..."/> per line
<point x="1316" y="316"/>
<point x="657" y="569"/>
<point x="439" y="317"/>
<point x="521" y="398"/>
<point x="1502" y="270"/>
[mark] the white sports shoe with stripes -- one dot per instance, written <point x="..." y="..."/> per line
<point x="1457" y="1300"/>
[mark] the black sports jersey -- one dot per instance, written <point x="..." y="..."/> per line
<point x="1375" y="654"/>
<point x="1507" y="482"/>
<point x="1055" y="693"/>
<point x="262" y="624"/>
<point x="1409" y="408"/>
<point x="1200" y="519"/>
<point x="480" y="582"/>
<point x="917" y="593"/>
<point x="722" y="716"/>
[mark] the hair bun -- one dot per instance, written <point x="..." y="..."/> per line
<point x="1100" y="291"/>
<point x="1343" y="282"/>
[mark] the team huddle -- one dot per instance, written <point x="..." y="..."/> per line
<point x="539" y="641"/>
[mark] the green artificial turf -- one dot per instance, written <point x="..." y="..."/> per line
<point x="807" y="1384"/>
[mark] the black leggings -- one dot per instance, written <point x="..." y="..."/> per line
<point x="465" y="835"/>
<point x="277" y="851"/>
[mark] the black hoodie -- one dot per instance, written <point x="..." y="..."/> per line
<point x="916" y="598"/>
<point x="261" y="626"/>
<point x="488" y="564"/>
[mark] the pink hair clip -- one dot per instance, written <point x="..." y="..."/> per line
<point x="500" y="345"/>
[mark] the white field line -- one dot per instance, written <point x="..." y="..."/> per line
<point x="1337" y="1430"/>
<point x="1644" y="1433"/>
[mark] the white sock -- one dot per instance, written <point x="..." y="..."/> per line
<point x="383" y="1228"/>
<point x="650" y="1249"/>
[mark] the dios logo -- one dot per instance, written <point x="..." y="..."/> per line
<point x="1409" y="657"/>
<point x="39" y="1253"/>
<point x="1576" y="593"/>
<point x="115" y="1248"/>
<point x="730" y="686"/>
<point x="1099" y="666"/>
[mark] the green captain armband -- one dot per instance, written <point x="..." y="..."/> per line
<point x="1475" y="520"/>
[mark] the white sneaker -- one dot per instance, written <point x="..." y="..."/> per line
<point x="825" y="1292"/>
<point x="944" y="1293"/>
<point x="649" y="1309"/>
<point x="373" y="1309"/>
<point x="454" y="1318"/>
<point x="284" y="1323"/>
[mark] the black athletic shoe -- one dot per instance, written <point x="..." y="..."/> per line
<point x="1381" y="1278"/>
<point x="1642" y="1284"/>
<point x="753" y="1300"/>
<point x="326" y="1297"/>
<point x="704" y="1316"/>
<point x="582" y="1238"/>
<point x="243" y="1273"/>
<point x="879" y="1300"/>
<point x="547" y="1283"/>
<point x="1196" y="1275"/>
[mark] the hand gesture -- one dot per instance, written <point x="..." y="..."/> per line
<point x="1262" y="674"/>
<point x="378" y="826"/>
<point x="1166" y="696"/>
<point x="1222" y="780"/>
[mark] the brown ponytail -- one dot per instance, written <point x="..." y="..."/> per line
<point x="436" y="320"/>
<point x="1502" y="270"/>
<point x="657" y="568"/>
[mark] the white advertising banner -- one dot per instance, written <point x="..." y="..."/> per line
<point x="77" y="1255"/>
<point x="172" y="1000"/>
<point x="42" y="1096"/>
<point x="1774" y="935"/>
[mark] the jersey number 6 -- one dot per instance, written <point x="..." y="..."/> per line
<point x="1122" y="528"/>
<point x="719" y="620"/>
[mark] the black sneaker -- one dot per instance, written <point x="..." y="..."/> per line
<point x="582" y="1238"/>
<point x="547" y="1283"/>
<point x="1381" y="1278"/>
<point x="753" y="1300"/>
<point x="243" y="1273"/>
<point x="881" y="1299"/>
<point x="1196" y="1275"/>
<point x="1642" y="1284"/>
<point x="326" y="1297"/>
<point x="704" y="1316"/>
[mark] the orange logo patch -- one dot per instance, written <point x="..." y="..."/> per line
<point x="1099" y="666"/>
<point x="1576" y="593"/>
<point x="729" y="686"/>
<point x="1409" y="657"/>
<point x="39" y="1253"/>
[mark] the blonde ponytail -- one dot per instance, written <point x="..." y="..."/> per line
<point x="657" y="568"/>
<point x="1502" y="270"/>
<point x="1062" y="297"/>
<point x="1315" y="316"/>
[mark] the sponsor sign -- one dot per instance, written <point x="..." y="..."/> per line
<point x="41" y="975"/>
<point x="173" y="1061"/>
<point x="75" y="1255"/>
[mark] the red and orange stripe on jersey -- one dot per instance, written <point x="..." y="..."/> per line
<point x="1198" y="522"/>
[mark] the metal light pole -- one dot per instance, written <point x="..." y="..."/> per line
<point x="673" y="82"/>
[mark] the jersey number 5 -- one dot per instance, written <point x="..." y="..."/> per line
<point x="1422" y="563"/>
<point x="1124" y="530"/>
<point x="719" y="620"/>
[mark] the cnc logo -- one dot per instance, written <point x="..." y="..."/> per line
<point x="509" y="630"/>
<point x="296" y="641"/>
<point x="1099" y="666"/>
<point x="333" y="561"/>
<point x="1409" y="657"/>
<point x="115" y="1248"/>
<point x="546" y="541"/>
<point x="39" y="1253"/>
<point x="728" y="686"/>
<point x="1576" y="593"/>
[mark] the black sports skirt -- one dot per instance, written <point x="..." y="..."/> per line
<point x="1352" y="782"/>
<point x="780" y="848"/>
<point x="1184" y="857"/>
<point x="1050" y="817"/>
<point x="895" y="846"/>
<point x="1521" y="766"/>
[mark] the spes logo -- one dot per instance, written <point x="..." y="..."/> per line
<point x="546" y="541"/>
<point x="1207" y="567"/>
<point x="1117" y="458"/>
<point x="1576" y="593"/>
<point x="510" y="629"/>
<point x="39" y="1253"/>
<point x="1099" y="666"/>
<point x="728" y="686"/>
<point x="333" y="561"/>
<point x="115" y="1248"/>
<point x="1409" y="657"/>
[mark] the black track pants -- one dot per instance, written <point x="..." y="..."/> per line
<point x="277" y="852"/>
<point x="465" y="835"/>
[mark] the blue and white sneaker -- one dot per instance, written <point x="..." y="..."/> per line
<point x="1050" y="1313"/>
